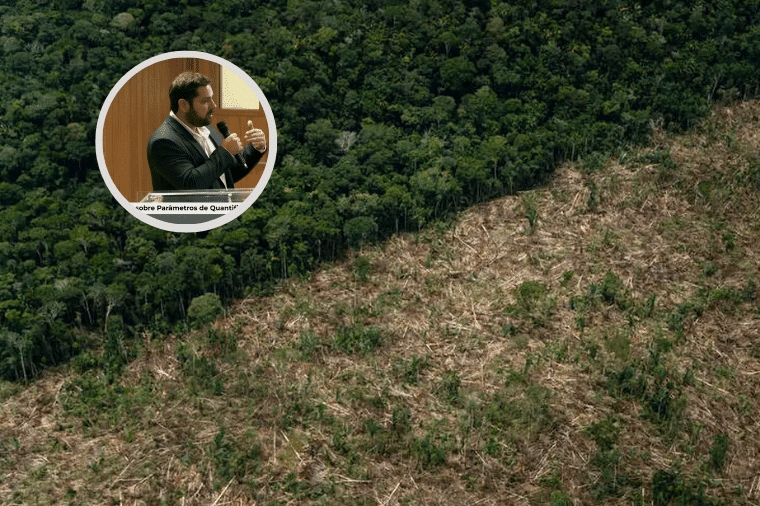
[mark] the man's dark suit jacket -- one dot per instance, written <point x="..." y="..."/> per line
<point x="178" y="162"/>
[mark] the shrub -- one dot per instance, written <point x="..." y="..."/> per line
<point x="204" y="309"/>
<point x="357" y="338"/>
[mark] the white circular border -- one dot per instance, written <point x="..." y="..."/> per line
<point x="192" y="227"/>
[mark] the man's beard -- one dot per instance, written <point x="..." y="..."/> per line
<point x="195" y="120"/>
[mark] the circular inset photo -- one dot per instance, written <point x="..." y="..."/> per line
<point x="186" y="141"/>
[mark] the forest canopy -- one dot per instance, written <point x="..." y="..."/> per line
<point x="390" y="115"/>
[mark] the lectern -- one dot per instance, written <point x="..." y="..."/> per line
<point x="232" y="195"/>
<point x="191" y="206"/>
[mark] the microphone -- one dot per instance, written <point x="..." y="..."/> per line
<point x="225" y="131"/>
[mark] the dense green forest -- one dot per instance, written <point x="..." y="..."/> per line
<point x="390" y="115"/>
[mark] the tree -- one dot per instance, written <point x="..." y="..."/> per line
<point x="439" y="191"/>
<point x="204" y="309"/>
<point x="458" y="74"/>
<point x="360" y="230"/>
<point x="321" y="141"/>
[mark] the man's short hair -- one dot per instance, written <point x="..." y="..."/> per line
<point x="186" y="86"/>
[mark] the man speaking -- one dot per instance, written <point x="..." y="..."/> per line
<point x="185" y="155"/>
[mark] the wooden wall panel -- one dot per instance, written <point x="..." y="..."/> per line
<point x="237" y="121"/>
<point x="142" y="105"/>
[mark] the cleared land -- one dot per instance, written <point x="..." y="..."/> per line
<point x="596" y="341"/>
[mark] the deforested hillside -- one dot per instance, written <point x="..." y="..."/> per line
<point x="593" y="341"/>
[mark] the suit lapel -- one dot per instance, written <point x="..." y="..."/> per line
<point x="187" y="139"/>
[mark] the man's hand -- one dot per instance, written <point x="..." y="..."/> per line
<point x="232" y="144"/>
<point x="256" y="137"/>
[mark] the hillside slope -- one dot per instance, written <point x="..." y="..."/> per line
<point x="596" y="341"/>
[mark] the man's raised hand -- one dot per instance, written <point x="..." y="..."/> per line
<point x="256" y="137"/>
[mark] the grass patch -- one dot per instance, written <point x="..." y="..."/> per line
<point x="670" y="487"/>
<point x="408" y="371"/>
<point x="358" y="339"/>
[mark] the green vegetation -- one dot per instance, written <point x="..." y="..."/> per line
<point x="393" y="116"/>
<point x="357" y="338"/>
<point x="204" y="309"/>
